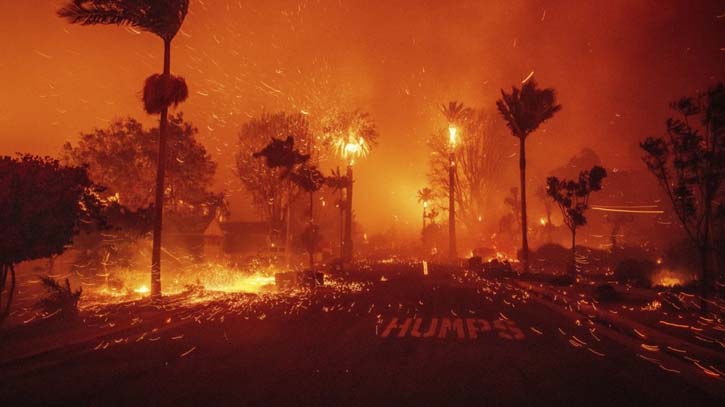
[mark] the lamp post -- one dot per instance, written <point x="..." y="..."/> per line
<point x="452" y="140"/>
<point x="350" y="148"/>
<point x="347" y="242"/>
<point x="425" y="207"/>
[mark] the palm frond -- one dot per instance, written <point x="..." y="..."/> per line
<point x="161" y="17"/>
<point x="162" y="91"/>
<point x="526" y="108"/>
<point x="86" y="12"/>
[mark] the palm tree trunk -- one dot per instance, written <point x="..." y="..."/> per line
<point x="705" y="254"/>
<point x="312" y="222"/>
<point x="4" y="312"/>
<point x="347" y="244"/>
<point x="423" y="219"/>
<point x="524" y="227"/>
<point x="159" y="203"/>
<point x="451" y="206"/>
<point x="3" y="279"/>
<point x="288" y="227"/>
<point x="573" y="252"/>
<point x="342" y="227"/>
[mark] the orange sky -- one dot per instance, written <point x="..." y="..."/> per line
<point x="615" y="65"/>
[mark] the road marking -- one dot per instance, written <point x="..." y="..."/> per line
<point x="449" y="328"/>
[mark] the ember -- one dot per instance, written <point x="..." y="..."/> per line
<point x="319" y="202"/>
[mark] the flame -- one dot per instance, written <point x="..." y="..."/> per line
<point x="452" y="130"/>
<point x="208" y="278"/>
<point x="668" y="281"/>
<point x="542" y="221"/>
<point x="351" y="147"/>
<point x="667" y="278"/>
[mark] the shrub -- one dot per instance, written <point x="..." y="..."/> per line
<point x="606" y="293"/>
<point x="551" y="258"/>
<point x="636" y="272"/>
<point x="562" y="280"/>
<point x="61" y="299"/>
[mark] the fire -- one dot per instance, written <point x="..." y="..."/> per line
<point x="207" y="278"/>
<point x="351" y="147"/>
<point x="542" y="221"/>
<point x="667" y="278"/>
<point x="668" y="281"/>
<point x="452" y="131"/>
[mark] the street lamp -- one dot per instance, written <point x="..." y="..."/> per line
<point x="452" y="141"/>
<point x="425" y="207"/>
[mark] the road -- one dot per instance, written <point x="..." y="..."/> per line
<point x="492" y="344"/>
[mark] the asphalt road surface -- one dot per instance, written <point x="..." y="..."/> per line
<point x="408" y="340"/>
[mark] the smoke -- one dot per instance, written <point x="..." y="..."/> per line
<point x="615" y="64"/>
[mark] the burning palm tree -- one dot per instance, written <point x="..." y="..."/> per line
<point x="164" y="19"/>
<point x="352" y="134"/>
<point x="524" y="110"/>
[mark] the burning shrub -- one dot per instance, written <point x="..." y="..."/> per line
<point x="61" y="299"/>
<point x="636" y="272"/>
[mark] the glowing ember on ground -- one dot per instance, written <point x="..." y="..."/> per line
<point x="129" y="284"/>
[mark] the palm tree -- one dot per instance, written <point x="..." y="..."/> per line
<point x="163" y="18"/>
<point x="425" y="195"/>
<point x="339" y="182"/>
<point x="352" y="134"/>
<point x="524" y="110"/>
<point x="455" y="112"/>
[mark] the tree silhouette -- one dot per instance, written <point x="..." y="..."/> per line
<point x="42" y="206"/>
<point x="455" y="112"/>
<point x="573" y="200"/>
<point x="164" y="19"/>
<point x="352" y="134"/>
<point x="270" y="192"/>
<point x="122" y="158"/>
<point x="617" y="220"/>
<point x="689" y="165"/>
<point x="339" y="182"/>
<point x="281" y="154"/>
<point x="310" y="180"/>
<point x="425" y="197"/>
<point x="524" y="110"/>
